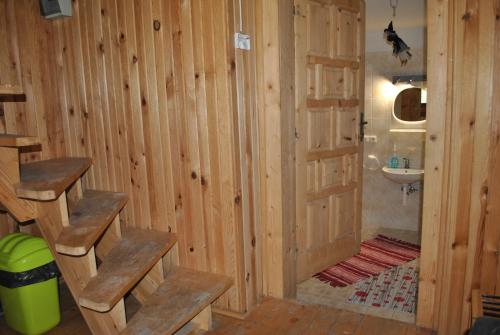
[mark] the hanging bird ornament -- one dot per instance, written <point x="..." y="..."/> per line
<point x="399" y="48"/>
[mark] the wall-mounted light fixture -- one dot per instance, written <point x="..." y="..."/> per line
<point x="409" y="79"/>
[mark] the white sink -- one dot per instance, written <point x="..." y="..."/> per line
<point x="403" y="176"/>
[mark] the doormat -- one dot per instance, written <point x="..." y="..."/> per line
<point x="375" y="256"/>
<point x="394" y="289"/>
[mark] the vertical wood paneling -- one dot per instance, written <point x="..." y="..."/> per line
<point x="149" y="90"/>
<point x="162" y="66"/>
<point x="246" y="86"/>
<point x="483" y="39"/>
<point x="10" y="74"/>
<point x="150" y="120"/>
<point x="287" y="97"/>
<point x="28" y="55"/>
<point x="490" y="272"/>
<point x="438" y="18"/>
<point x="461" y="187"/>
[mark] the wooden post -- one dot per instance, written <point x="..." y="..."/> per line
<point x="277" y="145"/>
<point x="490" y="274"/>
<point x="203" y="320"/>
<point x="463" y="42"/>
<point x="438" y="110"/>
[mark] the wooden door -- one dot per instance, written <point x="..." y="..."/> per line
<point x="329" y="47"/>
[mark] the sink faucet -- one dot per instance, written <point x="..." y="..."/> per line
<point x="406" y="162"/>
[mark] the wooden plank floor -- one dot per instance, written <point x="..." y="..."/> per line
<point x="278" y="317"/>
<point x="273" y="317"/>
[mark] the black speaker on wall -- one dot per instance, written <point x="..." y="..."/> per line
<point x="51" y="9"/>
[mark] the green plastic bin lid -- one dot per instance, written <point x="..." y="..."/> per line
<point x="21" y="252"/>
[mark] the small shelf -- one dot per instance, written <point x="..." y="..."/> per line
<point x="402" y="130"/>
<point x="11" y="90"/>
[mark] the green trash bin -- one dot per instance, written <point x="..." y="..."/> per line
<point x="28" y="284"/>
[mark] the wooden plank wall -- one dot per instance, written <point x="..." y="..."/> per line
<point x="436" y="166"/>
<point x="460" y="221"/>
<point x="155" y="93"/>
<point x="490" y="273"/>
<point x="39" y="114"/>
<point x="248" y="125"/>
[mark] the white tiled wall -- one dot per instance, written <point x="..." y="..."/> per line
<point x="382" y="198"/>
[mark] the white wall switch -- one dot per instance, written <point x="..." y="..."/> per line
<point x="242" y="41"/>
<point x="371" y="138"/>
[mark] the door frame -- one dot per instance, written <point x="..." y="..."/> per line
<point x="274" y="45"/>
<point x="442" y="245"/>
<point x="460" y="161"/>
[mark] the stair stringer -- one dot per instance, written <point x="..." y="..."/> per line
<point x="22" y="210"/>
<point x="77" y="271"/>
<point x="51" y="217"/>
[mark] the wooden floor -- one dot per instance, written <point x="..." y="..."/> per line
<point x="273" y="317"/>
<point x="280" y="317"/>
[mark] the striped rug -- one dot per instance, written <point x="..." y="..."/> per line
<point x="375" y="256"/>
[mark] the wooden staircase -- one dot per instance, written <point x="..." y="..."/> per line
<point x="82" y="226"/>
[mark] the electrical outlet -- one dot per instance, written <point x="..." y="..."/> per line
<point x="242" y="41"/>
<point x="371" y="138"/>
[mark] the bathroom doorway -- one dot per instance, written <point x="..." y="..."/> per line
<point x="359" y="208"/>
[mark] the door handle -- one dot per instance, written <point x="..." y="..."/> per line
<point x="362" y="124"/>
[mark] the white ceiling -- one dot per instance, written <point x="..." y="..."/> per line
<point x="409" y="14"/>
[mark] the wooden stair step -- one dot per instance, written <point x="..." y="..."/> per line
<point x="88" y="221"/>
<point x="11" y="90"/>
<point x="124" y="266"/>
<point x="46" y="180"/>
<point x="182" y="296"/>
<point x="17" y="141"/>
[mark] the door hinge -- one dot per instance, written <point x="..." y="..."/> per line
<point x="297" y="135"/>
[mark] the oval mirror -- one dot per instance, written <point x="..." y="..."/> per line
<point x="410" y="105"/>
